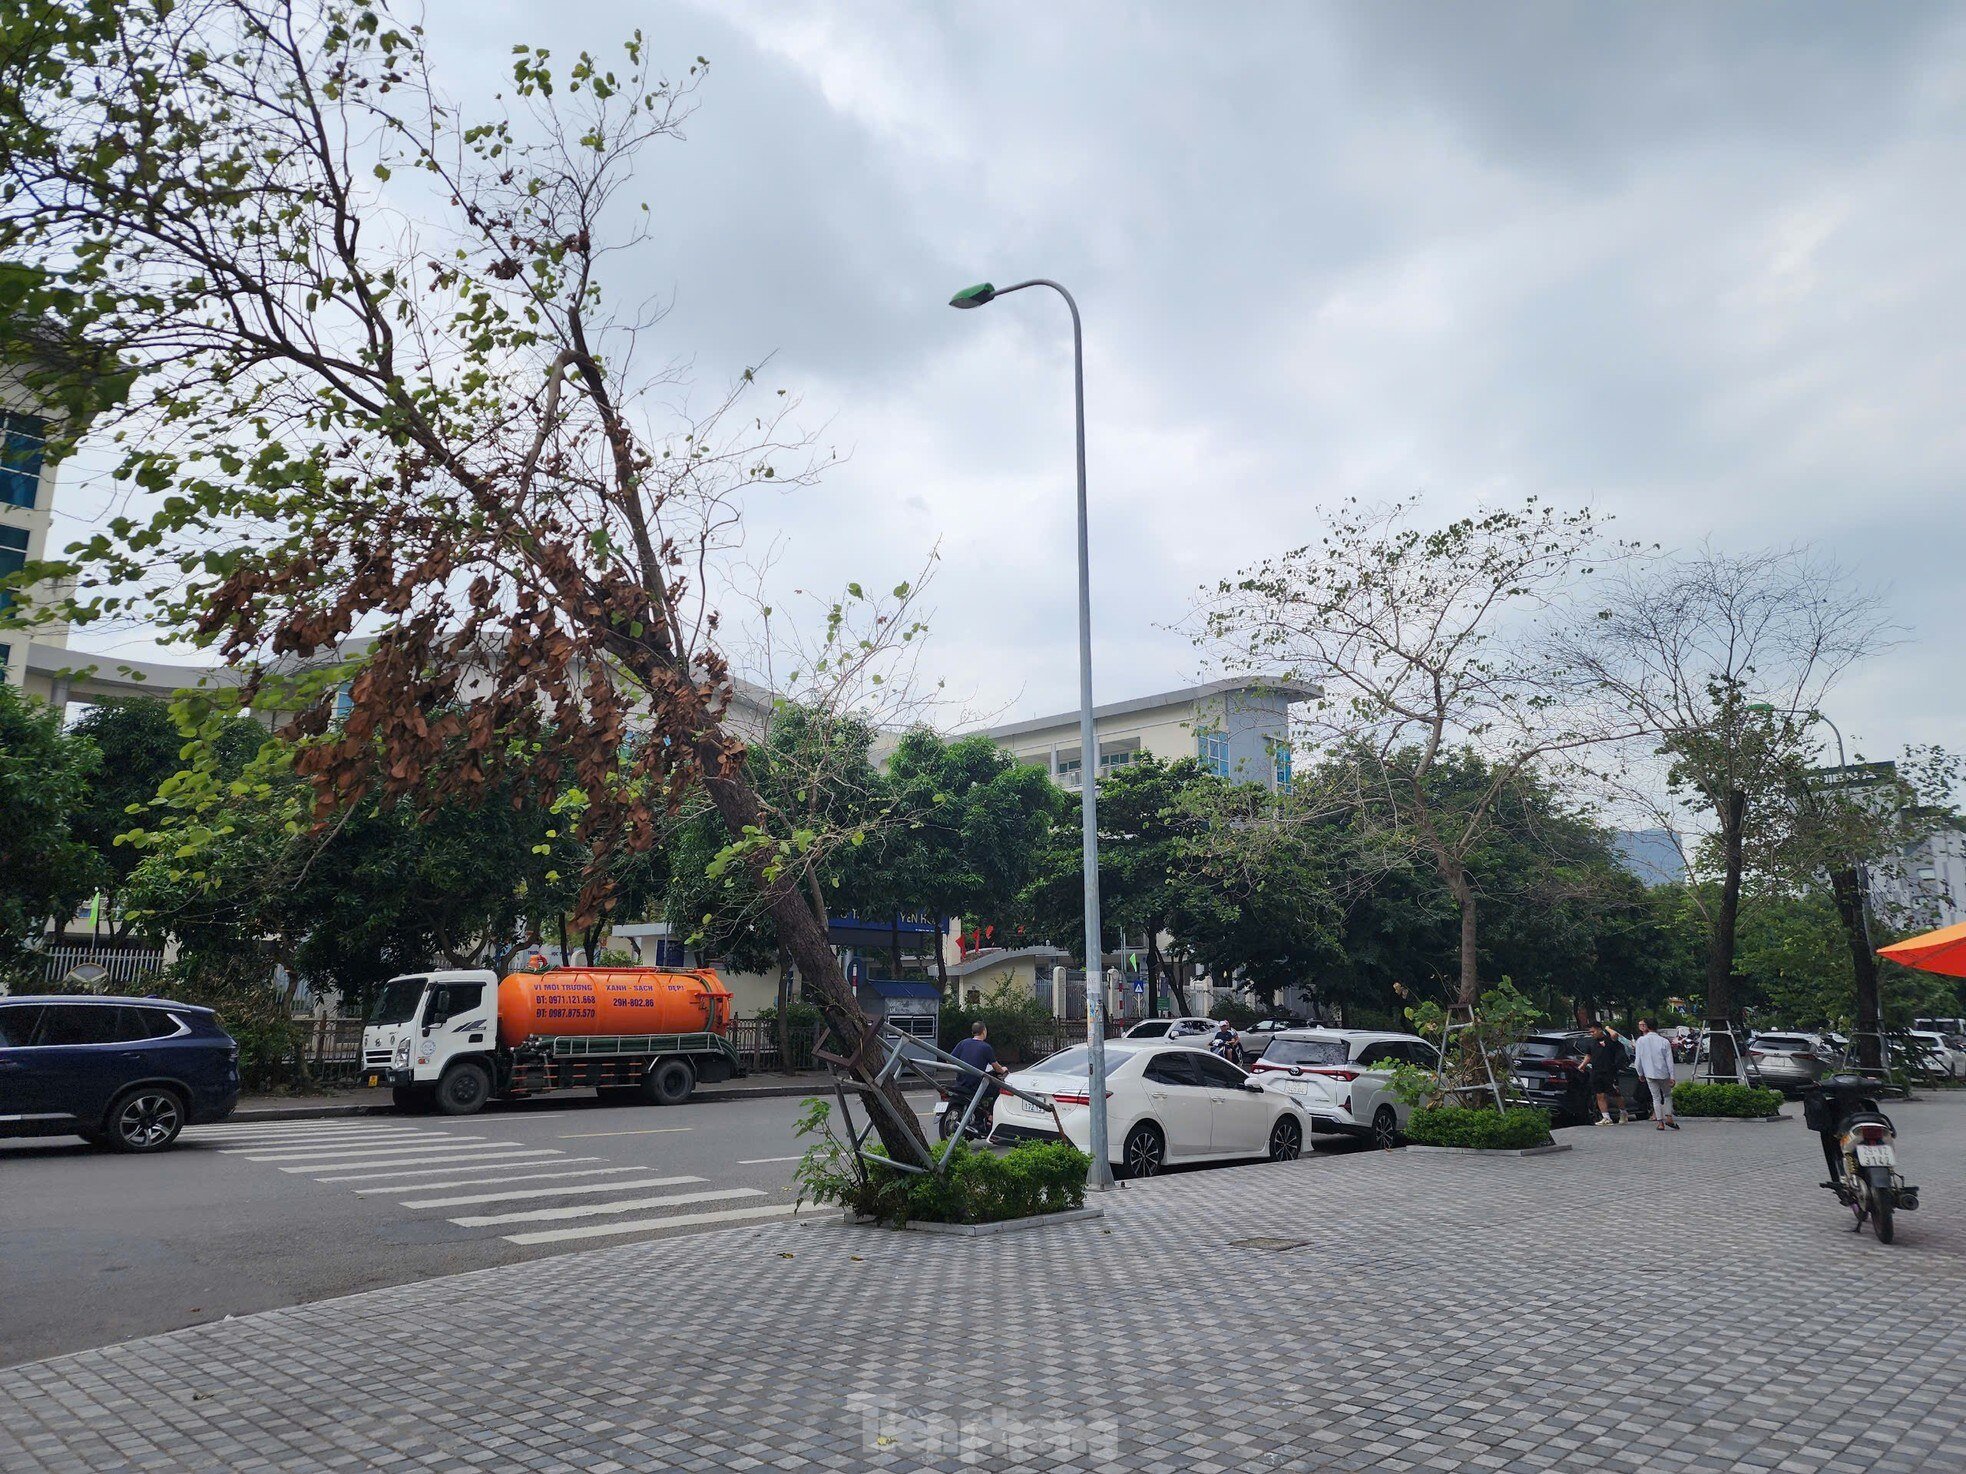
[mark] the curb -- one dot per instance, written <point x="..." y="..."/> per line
<point x="1493" y="1151"/>
<point x="705" y="1097"/>
<point x="988" y="1230"/>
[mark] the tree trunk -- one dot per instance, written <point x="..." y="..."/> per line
<point x="1720" y="944"/>
<point x="1847" y="887"/>
<point x="942" y="960"/>
<point x="803" y="936"/>
<point x="784" y="1009"/>
<point x="894" y="947"/>
<point x="1153" y="967"/>
<point x="566" y="946"/>
<point x="1456" y="876"/>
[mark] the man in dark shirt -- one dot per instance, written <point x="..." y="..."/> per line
<point x="975" y="1051"/>
<point x="1607" y="1057"/>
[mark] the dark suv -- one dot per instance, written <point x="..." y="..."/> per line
<point x="126" y="1073"/>
<point x="1548" y="1069"/>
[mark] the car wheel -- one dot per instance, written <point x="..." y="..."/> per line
<point x="1385" y="1129"/>
<point x="146" y="1119"/>
<point x="1286" y="1140"/>
<point x="670" y="1082"/>
<point x="465" y="1088"/>
<point x="1144" y="1152"/>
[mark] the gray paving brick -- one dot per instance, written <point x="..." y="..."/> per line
<point x="1648" y="1302"/>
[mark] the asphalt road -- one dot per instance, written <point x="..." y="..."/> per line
<point x="247" y="1217"/>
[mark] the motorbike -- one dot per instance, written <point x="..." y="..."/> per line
<point x="1860" y="1149"/>
<point x="982" y="1121"/>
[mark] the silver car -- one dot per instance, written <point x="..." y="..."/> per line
<point x="1789" y="1062"/>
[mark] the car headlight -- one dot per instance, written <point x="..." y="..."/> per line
<point x="402" y="1051"/>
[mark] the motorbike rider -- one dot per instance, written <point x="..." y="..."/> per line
<point x="1228" y="1043"/>
<point x="975" y="1051"/>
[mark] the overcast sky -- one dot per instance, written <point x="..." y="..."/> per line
<point x="1700" y="266"/>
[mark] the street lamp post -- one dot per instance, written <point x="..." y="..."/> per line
<point x="1100" y="1177"/>
<point x="1867" y="1002"/>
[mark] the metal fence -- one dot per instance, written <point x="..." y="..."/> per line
<point x="122" y="966"/>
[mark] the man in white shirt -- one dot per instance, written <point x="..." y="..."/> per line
<point x="1655" y="1069"/>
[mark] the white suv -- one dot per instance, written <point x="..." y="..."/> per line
<point x="1331" y="1073"/>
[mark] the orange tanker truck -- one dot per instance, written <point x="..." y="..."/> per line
<point x="458" y="1039"/>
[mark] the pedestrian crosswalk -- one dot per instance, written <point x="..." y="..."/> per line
<point x="531" y="1195"/>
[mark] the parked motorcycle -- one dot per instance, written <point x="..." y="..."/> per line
<point x="982" y="1121"/>
<point x="1860" y="1149"/>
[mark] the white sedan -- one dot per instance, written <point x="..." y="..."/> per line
<point x="1166" y="1105"/>
<point x="1194" y="1032"/>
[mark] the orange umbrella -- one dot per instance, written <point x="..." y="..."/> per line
<point x="1941" y="951"/>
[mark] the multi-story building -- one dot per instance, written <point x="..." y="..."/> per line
<point x="1239" y="729"/>
<point x="1925" y="884"/>
<point x="27" y="494"/>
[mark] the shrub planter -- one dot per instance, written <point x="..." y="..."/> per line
<point x="1474" y="1128"/>
<point x="982" y="1230"/>
<point x="1497" y="1151"/>
<point x="1694" y="1100"/>
<point x="978" y="1190"/>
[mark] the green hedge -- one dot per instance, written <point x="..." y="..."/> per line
<point x="980" y="1186"/>
<point x="1510" y="1130"/>
<point x="1746" y="1101"/>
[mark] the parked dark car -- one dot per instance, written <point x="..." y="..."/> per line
<point x="1550" y="1070"/>
<point x="125" y="1073"/>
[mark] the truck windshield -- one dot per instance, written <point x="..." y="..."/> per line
<point x="396" y="1003"/>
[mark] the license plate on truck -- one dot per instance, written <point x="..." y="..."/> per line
<point x="374" y="1079"/>
<point x="1876" y="1156"/>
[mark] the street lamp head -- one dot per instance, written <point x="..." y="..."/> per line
<point x="974" y="296"/>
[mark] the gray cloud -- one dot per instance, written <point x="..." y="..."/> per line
<point x="1696" y="264"/>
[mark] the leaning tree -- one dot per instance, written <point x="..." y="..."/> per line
<point x="357" y="347"/>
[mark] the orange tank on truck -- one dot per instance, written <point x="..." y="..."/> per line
<point x="578" y="1001"/>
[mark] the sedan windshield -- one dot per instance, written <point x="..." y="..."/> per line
<point x="1305" y="1052"/>
<point x="397" y="1001"/>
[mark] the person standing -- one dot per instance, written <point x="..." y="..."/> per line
<point x="1655" y="1069"/>
<point x="1607" y="1057"/>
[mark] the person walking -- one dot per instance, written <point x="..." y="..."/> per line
<point x="1655" y="1069"/>
<point x="1607" y="1057"/>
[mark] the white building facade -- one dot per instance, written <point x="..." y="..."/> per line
<point x="1239" y="729"/>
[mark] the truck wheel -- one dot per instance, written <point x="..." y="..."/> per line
<point x="465" y="1088"/>
<point x="669" y="1082"/>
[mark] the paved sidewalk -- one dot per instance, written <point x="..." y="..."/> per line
<point x="362" y="1101"/>
<point x="1649" y="1301"/>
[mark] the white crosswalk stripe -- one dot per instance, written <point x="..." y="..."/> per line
<point x="543" y="1192"/>
<point x="436" y="1168"/>
<point x="462" y="1155"/>
<point x="650" y="1225"/>
<point x="378" y="1149"/>
<point x="497" y="1177"/>
<point x="528" y="1158"/>
<point x="598" y="1210"/>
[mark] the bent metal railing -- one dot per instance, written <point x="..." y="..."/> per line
<point x="909" y="1055"/>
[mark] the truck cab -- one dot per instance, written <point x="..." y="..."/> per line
<point x="421" y="1024"/>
